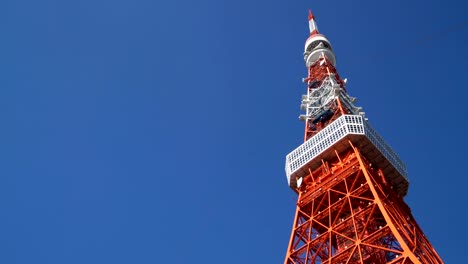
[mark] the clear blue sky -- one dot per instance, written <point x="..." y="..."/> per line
<point x="156" y="131"/>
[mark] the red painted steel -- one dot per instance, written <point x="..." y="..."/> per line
<point x="347" y="213"/>
<point x="346" y="210"/>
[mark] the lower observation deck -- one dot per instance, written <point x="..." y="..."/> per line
<point x="336" y="137"/>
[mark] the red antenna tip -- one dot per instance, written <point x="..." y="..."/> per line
<point x="311" y="16"/>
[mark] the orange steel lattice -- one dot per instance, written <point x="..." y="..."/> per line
<point x="348" y="213"/>
<point x="318" y="72"/>
<point x="350" y="183"/>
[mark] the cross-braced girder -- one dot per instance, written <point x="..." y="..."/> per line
<point x="347" y="213"/>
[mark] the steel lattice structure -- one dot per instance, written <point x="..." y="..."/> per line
<point x="350" y="183"/>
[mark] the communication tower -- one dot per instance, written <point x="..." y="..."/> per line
<point x="350" y="183"/>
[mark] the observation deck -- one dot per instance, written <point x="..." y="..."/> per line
<point x="336" y="137"/>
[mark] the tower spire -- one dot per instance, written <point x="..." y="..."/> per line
<point x="312" y="24"/>
<point x="317" y="45"/>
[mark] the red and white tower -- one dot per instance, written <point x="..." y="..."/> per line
<point x="350" y="183"/>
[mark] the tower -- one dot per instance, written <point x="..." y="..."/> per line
<point x="350" y="183"/>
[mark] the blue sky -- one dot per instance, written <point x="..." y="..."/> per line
<point x="156" y="131"/>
